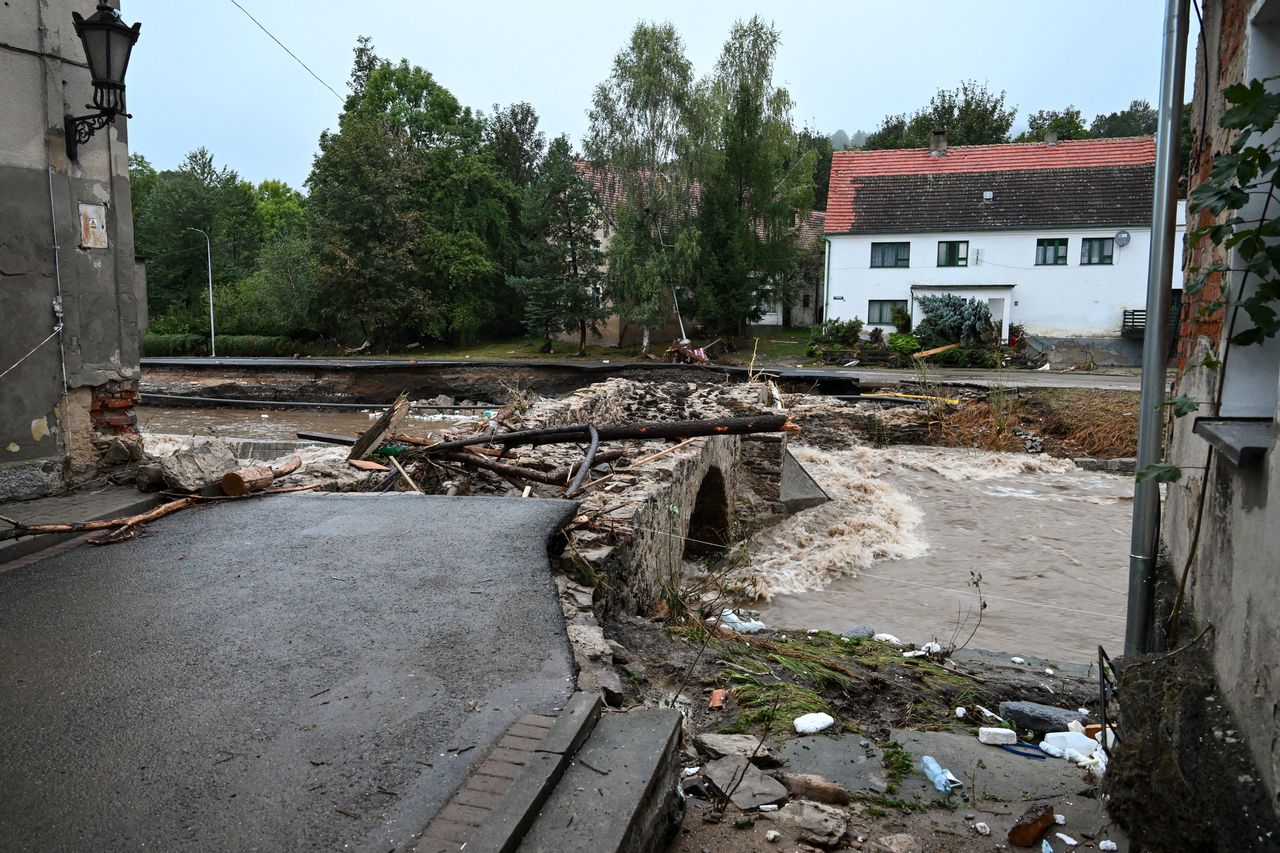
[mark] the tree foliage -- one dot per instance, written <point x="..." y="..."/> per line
<point x="756" y="180"/>
<point x="1067" y="123"/>
<point x="971" y="114"/>
<point x="640" y="126"/>
<point x="1138" y="119"/>
<point x="408" y="212"/>
<point x="515" y="142"/>
<point x="562" y="265"/>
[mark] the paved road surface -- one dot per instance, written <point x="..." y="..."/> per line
<point x="868" y="376"/>
<point x="233" y="679"/>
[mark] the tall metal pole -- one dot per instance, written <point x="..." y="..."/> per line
<point x="208" y="254"/>
<point x="1143" y="546"/>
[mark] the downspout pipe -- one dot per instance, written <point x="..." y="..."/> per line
<point x="1144" y="541"/>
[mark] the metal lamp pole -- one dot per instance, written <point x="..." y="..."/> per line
<point x="208" y="249"/>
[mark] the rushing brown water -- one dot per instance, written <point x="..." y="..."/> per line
<point x="272" y="424"/>
<point x="896" y="547"/>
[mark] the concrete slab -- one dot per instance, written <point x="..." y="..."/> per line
<point x="300" y="672"/>
<point x="988" y="772"/>
<point x="842" y="760"/>
<point x="798" y="489"/>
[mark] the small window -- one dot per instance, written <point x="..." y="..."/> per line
<point x="953" y="253"/>
<point x="1096" y="250"/>
<point x="1051" y="252"/>
<point x="880" y="311"/>
<point x="890" y="254"/>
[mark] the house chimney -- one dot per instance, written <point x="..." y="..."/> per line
<point x="1051" y="137"/>
<point x="938" y="144"/>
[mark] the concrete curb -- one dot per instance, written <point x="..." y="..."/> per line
<point x="18" y="548"/>
<point x="505" y="823"/>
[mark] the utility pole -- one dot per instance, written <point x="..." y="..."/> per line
<point x="208" y="254"/>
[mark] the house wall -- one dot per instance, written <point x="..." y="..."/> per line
<point x="1053" y="301"/>
<point x="48" y="428"/>
<point x="1235" y="577"/>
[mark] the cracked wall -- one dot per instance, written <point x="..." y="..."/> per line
<point x="48" y="431"/>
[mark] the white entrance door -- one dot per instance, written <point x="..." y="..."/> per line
<point x="996" y="304"/>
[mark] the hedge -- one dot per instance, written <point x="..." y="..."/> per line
<point x="162" y="346"/>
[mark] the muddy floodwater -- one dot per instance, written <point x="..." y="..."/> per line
<point x="272" y="424"/>
<point x="907" y="526"/>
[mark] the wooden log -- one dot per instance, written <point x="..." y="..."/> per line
<point x="256" y="477"/>
<point x="551" y="478"/>
<point x="620" y="432"/>
<point x="935" y="351"/>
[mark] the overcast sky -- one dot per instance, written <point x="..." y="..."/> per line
<point x="204" y="74"/>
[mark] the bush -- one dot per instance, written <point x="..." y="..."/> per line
<point x="174" y="345"/>
<point x="876" y="337"/>
<point x="232" y="346"/>
<point x="950" y="319"/>
<point x="903" y="343"/>
<point x="834" y="334"/>
<point x="901" y="318"/>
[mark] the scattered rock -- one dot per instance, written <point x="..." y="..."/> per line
<point x="195" y="466"/>
<point x="773" y="836"/>
<point x="815" y="788"/>
<point x="899" y="843"/>
<point x="859" y="632"/>
<point x="150" y="477"/>
<point x="1039" y="718"/>
<point x="852" y="763"/>
<point x="982" y="828"/>
<point x="589" y="641"/>
<point x="620" y="653"/>
<point x="750" y="787"/>
<point x="1033" y="824"/>
<point x="610" y="686"/>
<point x="822" y="826"/>
<point x="637" y="671"/>
<point x="721" y="746"/>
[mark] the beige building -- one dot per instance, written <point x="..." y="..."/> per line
<point x="72" y="294"/>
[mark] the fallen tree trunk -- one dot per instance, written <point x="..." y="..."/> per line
<point x="550" y="478"/>
<point x="256" y="477"/>
<point x="385" y="425"/>
<point x="20" y="529"/>
<point x="619" y="432"/>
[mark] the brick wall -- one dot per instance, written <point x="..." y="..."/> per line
<point x="1216" y="68"/>
<point x="112" y="408"/>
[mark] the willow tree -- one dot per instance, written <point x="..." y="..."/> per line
<point x="637" y="135"/>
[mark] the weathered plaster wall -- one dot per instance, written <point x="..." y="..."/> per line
<point x="1235" y="574"/>
<point x="43" y="76"/>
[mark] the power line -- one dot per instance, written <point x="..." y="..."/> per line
<point x="285" y="49"/>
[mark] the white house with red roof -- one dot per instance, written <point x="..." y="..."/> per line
<point x="1053" y="236"/>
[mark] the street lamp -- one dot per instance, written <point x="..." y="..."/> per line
<point x="208" y="256"/>
<point x="107" y="42"/>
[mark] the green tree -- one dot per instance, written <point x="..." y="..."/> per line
<point x="1067" y="123"/>
<point x="407" y="210"/>
<point x="640" y="119"/>
<point x="278" y="298"/>
<point x="757" y="180"/>
<point x="1138" y="119"/>
<point x="971" y="114"/>
<point x="513" y="138"/>
<point x="562" y="269"/>
<point x="822" y="147"/>
<point x="281" y="209"/>
<point x="143" y="178"/>
<point x="198" y="194"/>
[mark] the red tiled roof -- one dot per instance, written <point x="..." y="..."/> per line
<point x="848" y="167"/>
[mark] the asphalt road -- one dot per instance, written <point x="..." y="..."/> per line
<point x="298" y="672"/>
<point x="868" y="376"/>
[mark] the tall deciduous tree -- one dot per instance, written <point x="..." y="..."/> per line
<point x="198" y="194"/>
<point x="562" y="268"/>
<point x="1138" y="119"/>
<point x="513" y="138"/>
<point x="971" y="114"/>
<point x="639" y="130"/>
<point x="407" y="209"/>
<point x="1066" y="123"/>
<point x="757" y="181"/>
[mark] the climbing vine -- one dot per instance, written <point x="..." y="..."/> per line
<point x="1248" y="170"/>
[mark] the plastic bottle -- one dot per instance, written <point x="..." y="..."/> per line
<point x="935" y="774"/>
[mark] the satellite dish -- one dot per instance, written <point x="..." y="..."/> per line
<point x="1122" y="238"/>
